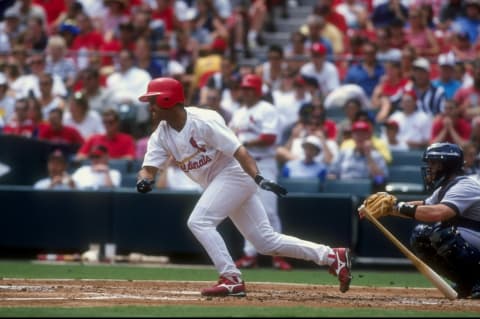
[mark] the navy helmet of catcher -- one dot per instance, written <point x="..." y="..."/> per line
<point x="450" y="158"/>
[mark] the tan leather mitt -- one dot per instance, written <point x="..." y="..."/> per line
<point x="380" y="204"/>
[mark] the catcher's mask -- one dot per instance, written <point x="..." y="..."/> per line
<point x="449" y="155"/>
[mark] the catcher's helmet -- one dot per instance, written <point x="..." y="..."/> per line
<point x="449" y="155"/>
<point x="252" y="81"/>
<point x="168" y="92"/>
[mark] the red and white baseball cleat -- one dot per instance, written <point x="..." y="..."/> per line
<point x="226" y="286"/>
<point x="246" y="262"/>
<point x="341" y="267"/>
<point x="281" y="264"/>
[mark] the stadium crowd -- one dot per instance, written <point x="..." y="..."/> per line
<point x="356" y="81"/>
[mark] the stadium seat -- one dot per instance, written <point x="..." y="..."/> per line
<point x="405" y="174"/>
<point x="129" y="180"/>
<point x="357" y="187"/>
<point x="412" y="157"/>
<point x="300" y="185"/>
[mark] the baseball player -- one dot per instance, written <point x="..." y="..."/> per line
<point x="449" y="238"/>
<point x="256" y="125"/>
<point x="209" y="152"/>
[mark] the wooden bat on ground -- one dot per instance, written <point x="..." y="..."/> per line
<point x="428" y="272"/>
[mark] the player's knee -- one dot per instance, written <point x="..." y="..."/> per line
<point x="197" y="225"/>
<point x="420" y="238"/>
<point x="268" y="244"/>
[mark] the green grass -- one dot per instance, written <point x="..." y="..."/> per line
<point x="308" y="276"/>
<point x="16" y="269"/>
<point x="206" y="311"/>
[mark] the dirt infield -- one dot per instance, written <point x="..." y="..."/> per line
<point x="91" y="293"/>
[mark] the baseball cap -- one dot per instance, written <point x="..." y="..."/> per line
<point x="56" y="154"/>
<point x="11" y="12"/>
<point x="391" y="123"/>
<point x="318" y="48"/>
<point x="98" y="150"/>
<point x="422" y="63"/>
<point x="446" y="59"/>
<point x="410" y="93"/>
<point x="361" y="126"/>
<point x="219" y="44"/>
<point x="313" y="140"/>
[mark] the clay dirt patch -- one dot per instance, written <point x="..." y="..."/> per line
<point x="91" y="293"/>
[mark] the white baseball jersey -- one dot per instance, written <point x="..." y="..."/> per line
<point x="249" y="123"/>
<point x="203" y="148"/>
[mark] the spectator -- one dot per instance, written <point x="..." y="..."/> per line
<point x="58" y="63"/>
<point x="48" y="101"/>
<point x="307" y="166"/>
<point x="307" y="124"/>
<point x="362" y="161"/>
<point x="126" y="84"/>
<point x="35" y="36"/>
<point x="447" y="79"/>
<point x="213" y="101"/>
<point x="99" y="97"/>
<point x="98" y="173"/>
<point x="79" y="116"/>
<point x="414" y="125"/>
<point x="419" y="35"/>
<point x="450" y="11"/>
<point x="471" y="158"/>
<point x="327" y="10"/>
<point x="355" y="13"/>
<point x="220" y="80"/>
<point x="323" y="71"/>
<point x="27" y="10"/>
<point x="115" y="14"/>
<point x="19" y="124"/>
<point x="366" y="73"/>
<point x="391" y="137"/>
<point x="470" y="22"/>
<point x="462" y="48"/>
<point x="58" y="177"/>
<point x="271" y="71"/>
<point x="430" y="99"/>
<point x="62" y="136"/>
<point x="88" y="39"/>
<point x="385" y="51"/>
<point x="321" y="31"/>
<point x="388" y="92"/>
<point x="144" y="59"/>
<point x="120" y="145"/>
<point x="378" y="143"/>
<point x="350" y="108"/>
<point x="385" y="13"/>
<point x="289" y="99"/>
<point x="450" y="126"/>
<point x="409" y="55"/>
<point x="468" y="98"/>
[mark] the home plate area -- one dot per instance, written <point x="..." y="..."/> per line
<point x="90" y="293"/>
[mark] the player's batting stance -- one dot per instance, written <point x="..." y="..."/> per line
<point x="210" y="153"/>
<point x="449" y="238"/>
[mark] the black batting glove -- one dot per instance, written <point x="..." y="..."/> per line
<point x="145" y="185"/>
<point x="270" y="186"/>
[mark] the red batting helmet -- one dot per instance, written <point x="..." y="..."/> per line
<point x="168" y="92"/>
<point x="252" y="81"/>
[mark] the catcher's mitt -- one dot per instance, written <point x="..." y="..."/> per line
<point x="380" y="204"/>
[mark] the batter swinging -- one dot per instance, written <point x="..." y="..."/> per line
<point x="210" y="153"/>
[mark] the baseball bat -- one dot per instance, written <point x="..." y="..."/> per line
<point x="428" y="272"/>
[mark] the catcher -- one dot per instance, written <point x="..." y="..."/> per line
<point x="448" y="240"/>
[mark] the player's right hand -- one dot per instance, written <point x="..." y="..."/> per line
<point x="270" y="186"/>
<point x="145" y="185"/>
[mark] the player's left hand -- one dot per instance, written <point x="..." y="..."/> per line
<point x="145" y="185"/>
<point x="270" y="186"/>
